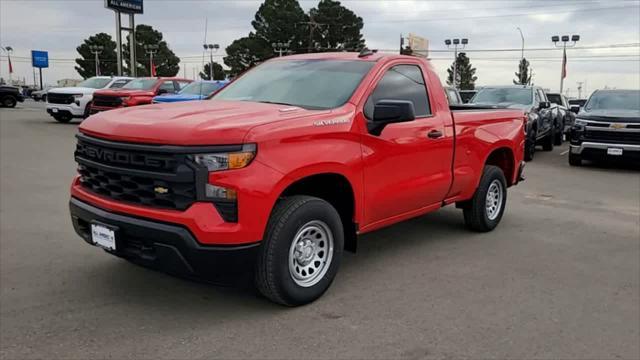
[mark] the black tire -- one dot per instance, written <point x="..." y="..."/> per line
<point x="87" y="110"/>
<point x="530" y="146"/>
<point x="475" y="211"/>
<point x="547" y="142"/>
<point x="9" y="101"/>
<point x="575" y="159"/>
<point x="559" y="133"/>
<point x="273" y="276"/>
<point x="44" y="98"/>
<point x="62" y="118"/>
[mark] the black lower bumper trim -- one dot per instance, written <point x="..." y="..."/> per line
<point x="166" y="247"/>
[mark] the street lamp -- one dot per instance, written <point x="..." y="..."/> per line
<point x="521" y="37"/>
<point x="280" y="47"/>
<point x="151" y="49"/>
<point x="96" y="50"/>
<point x="9" y="50"/>
<point x="455" y="43"/>
<point x="212" y="48"/>
<point x="564" y="39"/>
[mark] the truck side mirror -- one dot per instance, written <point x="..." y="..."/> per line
<point x="544" y="105"/>
<point x="575" y="109"/>
<point x="388" y="112"/>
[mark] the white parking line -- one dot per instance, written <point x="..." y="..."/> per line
<point x="564" y="152"/>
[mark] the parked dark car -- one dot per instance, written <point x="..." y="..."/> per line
<point x="607" y="127"/>
<point x="467" y="95"/>
<point x="453" y="96"/>
<point x="10" y="96"/>
<point x="566" y="116"/>
<point x="541" y="125"/>
<point x="576" y="104"/>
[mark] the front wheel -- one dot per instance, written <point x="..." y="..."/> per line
<point x="9" y="101"/>
<point x="484" y="211"/>
<point x="301" y="252"/>
<point x="530" y="146"/>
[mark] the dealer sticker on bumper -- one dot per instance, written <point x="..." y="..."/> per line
<point x="614" y="151"/>
<point x="103" y="236"/>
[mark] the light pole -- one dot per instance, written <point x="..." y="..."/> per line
<point x="280" y="47"/>
<point x="455" y="43"/>
<point x="96" y="50"/>
<point x="9" y="50"/>
<point x="151" y="49"/>
<point x="522" y="37"/>
<point x="212" y="48"/>
<point x="565" y="40"/>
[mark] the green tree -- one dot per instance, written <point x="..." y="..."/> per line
<point x="281" y="21"/>
<point x="333" y="27"/>
<point x="166" y="62"/>
<point x="218" y="72"/>
<point x="524" y="74"/>
<point x="465" y="73"/>
<point x="86" y="65"/>
<point x="246" y="52"/>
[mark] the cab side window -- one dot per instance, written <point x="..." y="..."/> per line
<point x="168" y="87"/>
<point x="401" y="82"/>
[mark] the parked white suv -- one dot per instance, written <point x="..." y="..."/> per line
<point x="67" y="103"/>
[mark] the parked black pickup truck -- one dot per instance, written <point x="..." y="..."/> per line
<point x="542" y="124"/>
<point x="10" y="96"/>
<point x="607" y="127"/>
<point x="566" y="115"/>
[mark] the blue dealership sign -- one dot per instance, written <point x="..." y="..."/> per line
<point x="39" y="59"/>
<point x="125" y="6"/>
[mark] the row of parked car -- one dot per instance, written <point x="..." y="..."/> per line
<point x="604" y="126"/>
<point x="102" y="93"/>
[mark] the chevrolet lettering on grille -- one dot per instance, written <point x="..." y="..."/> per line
<point x="122" y="157"/>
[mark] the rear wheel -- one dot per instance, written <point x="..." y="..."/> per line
<point x="301" y="252"/>
<point x="484" y="211"/>
<point x="9" y="101"/>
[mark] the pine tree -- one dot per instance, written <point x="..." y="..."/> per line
<point x="166" y="62"/>
<point x="333" y="27"/>
<point x="218" y="72"/>
<point x="465" y="73"/>
<point x="523" y="75"/>
<point x="87" y="64"/>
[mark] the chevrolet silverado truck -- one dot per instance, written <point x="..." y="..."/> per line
<point x="67" y="103"/>
<point x="140" y="91"/>
<point x="280" y="171"/>
<point x="542" y="119"/>
<point x="607" y="128"/>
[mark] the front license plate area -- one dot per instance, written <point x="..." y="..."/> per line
<point x="614" y="151"/>
<point x="103" y="236"/>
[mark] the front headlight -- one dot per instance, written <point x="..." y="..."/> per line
<point x="580" y="122"/>
<point x="227" y="161"/>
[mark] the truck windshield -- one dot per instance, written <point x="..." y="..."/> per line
<point x="614" y="100"/>
<point x="95" y="83"/>
<point x="141" y="84"/>
<point x="200" y="88"/>
<point x="555" y="98"/>
<point x="310" y="84"/>
<point x="498" y="96"/>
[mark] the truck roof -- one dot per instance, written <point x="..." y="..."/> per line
<point x="373" y="56"/>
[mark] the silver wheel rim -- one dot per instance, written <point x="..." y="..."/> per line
<point x="494" y="199"/>
<point x="311" y="253"/>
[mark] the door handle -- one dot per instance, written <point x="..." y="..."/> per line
<point x="434" y="134"/>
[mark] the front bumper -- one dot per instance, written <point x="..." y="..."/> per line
<point x="595" y="151"/>
<point x="71" y="110"/>
<point x="166" y="247"/>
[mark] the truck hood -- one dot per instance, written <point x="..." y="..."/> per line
<point x="209" y="122"/>
<point x="611" y="115"/>
<point x="125" y="92"/>
<point x="72" y="90"/>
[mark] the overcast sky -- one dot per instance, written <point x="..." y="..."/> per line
<point x="59" y="26"/>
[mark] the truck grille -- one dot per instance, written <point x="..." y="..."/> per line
<point x="55" y="98"/>
<point x="107" y="101"/>
<point x="614" y="137"/>
<point x="138" y="174"/>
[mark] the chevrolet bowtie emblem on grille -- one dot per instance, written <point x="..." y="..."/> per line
<point x="160" y="190"/>
<point x="618" y="126"/>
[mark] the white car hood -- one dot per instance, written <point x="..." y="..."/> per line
<point x="73" y="90"/>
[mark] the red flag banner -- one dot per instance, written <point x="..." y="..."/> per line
<point x="153" y="70"/>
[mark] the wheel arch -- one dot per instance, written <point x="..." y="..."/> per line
<point x="503" y="157"/>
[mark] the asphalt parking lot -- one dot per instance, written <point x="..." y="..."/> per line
<point x="559" y="278"/>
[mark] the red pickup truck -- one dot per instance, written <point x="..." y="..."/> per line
<point x="137" y="92"/>
<point x="280" y="171"/>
